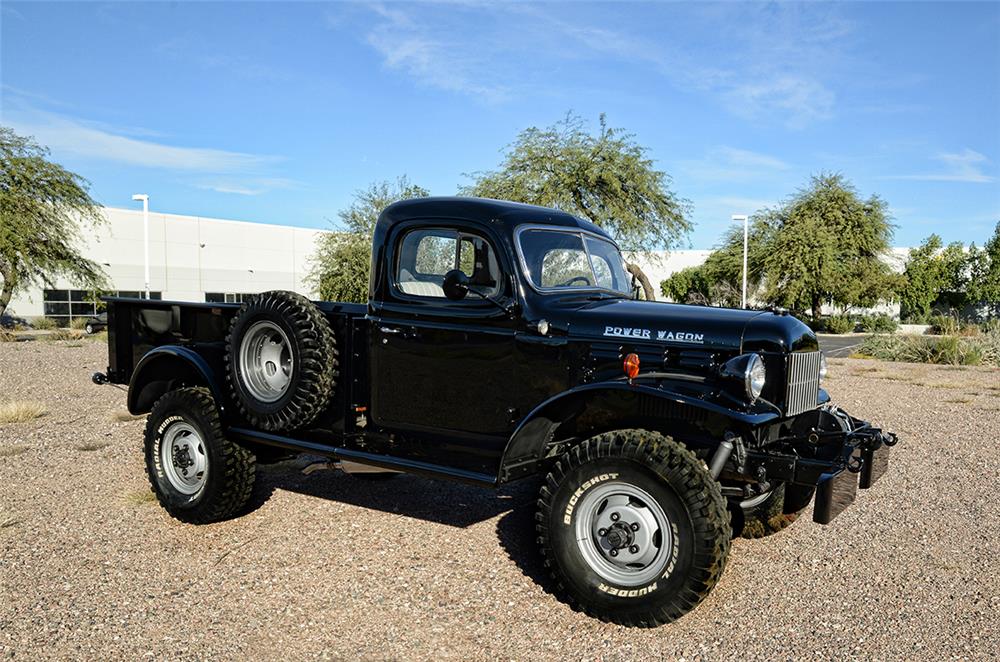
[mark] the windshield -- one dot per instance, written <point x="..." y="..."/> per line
<point x="557" y="259"/>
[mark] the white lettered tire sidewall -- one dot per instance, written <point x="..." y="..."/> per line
<point x="580" y="578"/>
<point x="154" y="459"/>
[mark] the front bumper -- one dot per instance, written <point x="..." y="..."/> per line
<point x="837" y="455"/>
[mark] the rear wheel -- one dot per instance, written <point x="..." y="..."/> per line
<point x="633" y="528"/>
<point x="197" y="474"/>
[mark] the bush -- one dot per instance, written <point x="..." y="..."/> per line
<point x="952" y="325"/>
<point x="838" y="324"/>
<point x="43" y="323"/>
<point x="948" y="350"/>
<point x="880" y="323"/>
<point x="78" y="323"/>
<point x="990" y="326"/>
<point x="7" y="336"/>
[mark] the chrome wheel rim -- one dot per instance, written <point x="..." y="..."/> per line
<point x="266" y="361"/>
<point x="623" y="534"/>
<point x="183" y="458"/>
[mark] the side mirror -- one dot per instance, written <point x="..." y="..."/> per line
<point x="456" y="285"/>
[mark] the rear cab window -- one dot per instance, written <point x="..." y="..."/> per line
<point x="426" y="255"/>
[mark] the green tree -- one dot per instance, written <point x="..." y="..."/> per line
<point x="606" y="178"/>
<point x="719" y="280"/>
<point x="923" y="280"/>
<point x="826" y="244"/>
<point x="43" y="208"/>
<point x="984" y="271"/>
<point x="340" y="267"/>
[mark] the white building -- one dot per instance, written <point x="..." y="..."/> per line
<point x="191" y="258"/>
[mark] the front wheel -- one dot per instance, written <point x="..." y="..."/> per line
<point x="197" y="474"/>
<point x="633" y="528"/>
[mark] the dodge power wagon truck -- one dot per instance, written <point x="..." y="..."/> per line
<point x="502" y="341"/>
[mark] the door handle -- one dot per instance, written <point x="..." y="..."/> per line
<point x="390" y="329"/>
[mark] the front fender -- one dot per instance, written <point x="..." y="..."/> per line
<point x="594" y="408"/>
<point x="166" y="368"/>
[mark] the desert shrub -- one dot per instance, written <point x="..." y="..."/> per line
<point x="43" y="323"/>
<point x="19" y="411"/>
<point x="839" y="324"/>
<point x="947" y="350"/>
<point x="7" y="336"/>
<point x="62" y="334"/>
<point x="880" y="323"/>
<point x="78" y="323"/>
<point x="990" y="326"/>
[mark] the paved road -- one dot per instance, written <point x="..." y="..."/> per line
<point x="841" y="346"/>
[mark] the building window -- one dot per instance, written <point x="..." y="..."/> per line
<point x="227" y="297"/>
<point x="65" y="305"/>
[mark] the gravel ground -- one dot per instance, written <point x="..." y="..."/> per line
<point x="331" y="566"/>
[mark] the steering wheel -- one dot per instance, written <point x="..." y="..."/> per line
<point x="586" y="281"/>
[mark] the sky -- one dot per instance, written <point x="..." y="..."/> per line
<point x="279" y="112"/>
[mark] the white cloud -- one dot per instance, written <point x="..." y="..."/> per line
<point x="70" y="136"/>
<point x="248" y="186"/>
<point x="432" y="55"/>
<point x="766" y="62"/>
<point x="965" y="166"/>
<point x="731" y="164"/>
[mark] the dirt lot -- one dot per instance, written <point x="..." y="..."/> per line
<point x="330" y="566"/>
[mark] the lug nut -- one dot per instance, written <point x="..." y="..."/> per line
<point x="615" y="517"/>
<point x="613" y="552"/>
<point x="634" y="549"/>
<point x="634" y="526"/>
<point x="602" y="532"/>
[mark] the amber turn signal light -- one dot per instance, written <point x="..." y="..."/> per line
<point x="631" y="366"/>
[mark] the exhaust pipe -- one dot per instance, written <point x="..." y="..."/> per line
<point x="720" y="457"/>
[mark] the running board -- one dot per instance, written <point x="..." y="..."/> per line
<point x="370" y="459"/>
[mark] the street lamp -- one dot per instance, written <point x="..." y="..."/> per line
<point x="145" y="234"/>
<point x="746" y="235"/>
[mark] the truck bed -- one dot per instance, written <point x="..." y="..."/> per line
<point x="137" y="326"/>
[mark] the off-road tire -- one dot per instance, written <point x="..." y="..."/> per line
<point x="231" y="468"/>
<point x="314" y="355"/>
<point x="679" y="482"/>
<point x="776" y="513"/>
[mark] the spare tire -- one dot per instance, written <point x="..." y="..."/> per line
<point x="281" y="361"/>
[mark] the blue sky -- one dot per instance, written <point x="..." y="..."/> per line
<point x="277" y="112"/>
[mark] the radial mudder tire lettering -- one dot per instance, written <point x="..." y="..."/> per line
<point x="598" y="500"/>
<point x="281" y="361"/>
<point x="197" y="475"/>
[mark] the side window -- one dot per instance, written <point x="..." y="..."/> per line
<point x="427" y="254"/>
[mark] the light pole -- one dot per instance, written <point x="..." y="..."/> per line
<point x="145" y="235"/>
<point x="746" y="235"/>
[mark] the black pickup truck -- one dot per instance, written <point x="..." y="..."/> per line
<point x="502" y="341"/>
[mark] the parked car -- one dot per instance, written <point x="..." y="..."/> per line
<point x="502" y="341"/>
<point x="97" y="323"/>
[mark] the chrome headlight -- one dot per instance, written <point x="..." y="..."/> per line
<point x="755" y="376"/>
<point x="746" y="371"/>
<point x="822" y="366"/>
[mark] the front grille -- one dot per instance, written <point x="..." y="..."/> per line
<point x="802" y="391"/>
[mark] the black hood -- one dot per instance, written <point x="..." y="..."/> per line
<point x="691" y="326"/>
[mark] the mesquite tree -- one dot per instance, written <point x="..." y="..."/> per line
<point x="43" y="209"/>
<point x="606" y="178"/>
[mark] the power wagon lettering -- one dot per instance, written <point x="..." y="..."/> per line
<point x="567" y="518"/>
<point x="647" y="334"/>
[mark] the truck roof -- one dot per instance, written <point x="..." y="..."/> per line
<point x="509" y="214"/>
